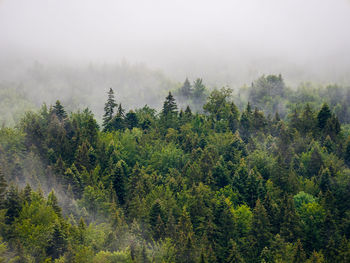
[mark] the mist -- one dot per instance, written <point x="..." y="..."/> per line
<point x="225" y="42"/>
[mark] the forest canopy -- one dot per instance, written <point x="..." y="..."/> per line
<point x="259" y="174"/>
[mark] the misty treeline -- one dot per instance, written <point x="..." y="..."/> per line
<point x="216" y="179"/>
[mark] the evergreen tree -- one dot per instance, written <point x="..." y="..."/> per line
<point x="234" y="254"/>
<point x="299" y="253"/>
<point x="58" y="109"/>
<point x="169" y="106"/>
<point x="119" y="180"/>
<point x="131" y="120"/>
<point x="156" y="220"/>
<point x="186" y="90"/>
<point x="3" y="186"/>
<point x="53" y="202"/>
<point x="13" y="205"/>
<point x="57" y="244"/>
<point x="261" y="227"/>
<point x="323" y="115"/>
<point x="109" y="109"/>
<point x="347" y="152"/>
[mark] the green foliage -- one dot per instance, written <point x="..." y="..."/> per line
<point x="226" y="185"/>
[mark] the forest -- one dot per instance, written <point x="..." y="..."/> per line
<point x="260" y="174"/>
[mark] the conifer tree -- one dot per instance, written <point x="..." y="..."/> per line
<point x="119" y="181"/>
<point x="131" y="120"/>
<point x="53" y="202"/>
<point x="186" y="89"/>
<point x="347" y="152"/>
<point x="3" y="186"/>
<point x="261" y="227"/>
<point x="234" y="254"/>
<point x="299" y="253"/>
<point x="109" y="109"/>
<point x="323" y="115"/>
<point x="169" y="106"/>
<point x="13" y="205"/>
<point x="58" y="109"/>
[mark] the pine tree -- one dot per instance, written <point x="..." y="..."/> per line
<point x="109" y="109"/>
<point x="261" y="227"/>
<point x="131" y="120"/>
<point x="186" y="89"/>
<point x="119" y="181"/>
<point x="299" y="253"/>
<point x="156" y="220"/>
<point x="3" y="186"/>
<point x="169" y="106"/>
<point x="199" y="94"/>
<point x="58" y="109"/>
<point x="53" y="202"/>
<point x="57" y="244"/>
<point x="347" y="152"/>
<point x="290" y="225"/>
<point x="323" y="115"/>
<point x="234" y="254"/>
<point x="13" y="205"/>
<point x="27" y="194"/>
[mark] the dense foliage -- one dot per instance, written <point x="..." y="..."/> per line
<point x="263" y="183"/>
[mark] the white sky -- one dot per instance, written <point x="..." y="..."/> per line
<point x="162" y="32"/>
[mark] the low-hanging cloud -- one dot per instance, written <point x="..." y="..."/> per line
<point x="214" y="38"/>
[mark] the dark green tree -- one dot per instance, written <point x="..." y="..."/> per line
<point x="169" y="106"/>
<point x="3" y="186"/>
<point x="323" y="115"/>
<point x="119" y="180"/>
<point x="58" y="109"/>
<point x="109" y="109"/>
<point x="131" y="120"/>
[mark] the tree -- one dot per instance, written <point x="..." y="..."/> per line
<point x="57" y="244"/>
<point x="323" y="115"/>
<point x="234" y="254"/>
<point x="347" y="152"/>
<point x="13" y="205"/>
<point x="261" y="227"/>
<point x="58" y="109"/>
<point x="119" y="180"/>
<point x="109" y="109"/>
<point x="299" y="253"/>
<point x="169" y="106"/>
<point x="3" y="186"/>
<point x="156" y="220"/>
<point x="186" y="89"/>
<point x="131" y="120"/>
<point x="199" y="93"/>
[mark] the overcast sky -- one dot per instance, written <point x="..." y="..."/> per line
<point x="171" y="32"/>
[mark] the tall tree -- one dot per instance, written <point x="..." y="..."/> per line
<point x="323" y="115"/>
<point x="3" y="186"/>
<point x="58" y="109"/>
<point x="109" y="109"/>
<point x="169" y="106"/>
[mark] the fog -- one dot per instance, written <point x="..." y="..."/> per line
<point x="225" y="42"/>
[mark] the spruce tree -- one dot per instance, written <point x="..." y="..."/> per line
<point x="299" y="253"/>
<point x="109" y="109"/>
<point x="119" y="181"/>
<point x="13" y="205"/>
<point x="323" y="115"/>
<point x="58" y="109"/>
<point x="131" y="120"/>
<point x="186" y="89"/>
<point x="3" y="186"/>
<point x="169" y="106"/>
<point x="261" y="227"/>
<point x="347" y="152"/>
